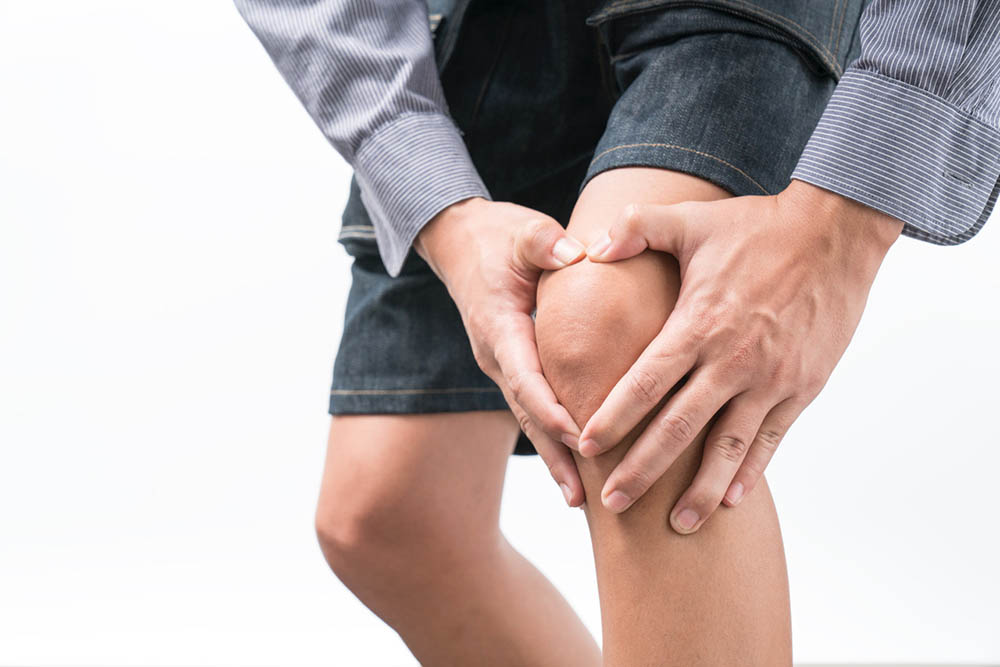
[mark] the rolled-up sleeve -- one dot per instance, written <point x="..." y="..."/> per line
<point x="913" y="127"/>
<point x="365" y="71"/>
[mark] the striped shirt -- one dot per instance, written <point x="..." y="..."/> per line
<point x="912" y="128"/>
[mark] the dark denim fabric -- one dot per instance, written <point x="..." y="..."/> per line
<point x="548" y="94"/>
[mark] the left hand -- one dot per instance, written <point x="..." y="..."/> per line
<point x="772" y="289"/>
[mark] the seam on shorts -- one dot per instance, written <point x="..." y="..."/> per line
<point x="821" y="48"/>
<point x="840" y="24"/>
<point x="833" y="20"/>
<point x="683" y="148"/>
<point x="447" y="390"/>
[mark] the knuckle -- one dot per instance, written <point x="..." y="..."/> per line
<point x="635" y="481"/>
<point x="524" y="422"/>
<point x="677" y="428"/>
<point x="483" y="359"/>
<point x="730" y="447"/>
<point x="704" y="501"/>
<point x="515" y="382"/>
<point x="644" y="386"/>
<point x="814" y="383"/>
<point x="769" y="438"/>
<point x="480" y="325"/>
<point x="631" y="215"/>
<point x="549" y="422"/>
<point x="700" y="324"/>
<point x="780" y="373"/>
<point x="743" y="354"/>
<point x="535" y="233"/>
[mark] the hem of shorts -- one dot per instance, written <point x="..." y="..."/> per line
<point x="415" y="400"/>
<point x="692" y="161"/>
<point x="422" y="401"/>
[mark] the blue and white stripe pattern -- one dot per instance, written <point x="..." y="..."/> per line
<point x="913" y="127"/>
<point x="366" y="73"/>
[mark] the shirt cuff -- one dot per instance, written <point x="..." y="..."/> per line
<point x="905" y="152"/>
<point x="407" y="172"/>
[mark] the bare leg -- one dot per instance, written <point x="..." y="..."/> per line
<point x="408" y="518"/>
<point x="715" y="597"/>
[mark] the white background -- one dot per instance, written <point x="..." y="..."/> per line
<point x="172" y="294"/>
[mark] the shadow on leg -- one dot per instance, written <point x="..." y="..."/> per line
<point x="720" y="595"/>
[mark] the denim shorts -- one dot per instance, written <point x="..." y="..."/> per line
<point x="549" y="93"/>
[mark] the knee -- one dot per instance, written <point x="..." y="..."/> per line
<point x="375" y="523"/>
<point x="366" y="532"/>
<point x="351" y="530"/>
<point x="593" y="320"/>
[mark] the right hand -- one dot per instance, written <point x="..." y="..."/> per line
<point x="490" y="256"/>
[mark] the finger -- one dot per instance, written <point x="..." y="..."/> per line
<point x="772" y="430"/>
<point x="557" y="457"/>
<point x="517" y="357"/>
<point x="669" y="433"/>
<point x="657" y="370"/>
<point x="639" y="226"/>
<point x="726" y="446"/>
<point x="543" y="243"/>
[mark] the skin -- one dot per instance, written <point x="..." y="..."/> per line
<point x="490" y="256"/>
<point x="408" y="519"/>
<point x="719" y="596"/>
<point x="441" y="574"/>
<point x="773" y="288"/>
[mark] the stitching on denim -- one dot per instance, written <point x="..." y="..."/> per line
<point x="821" y="50"/>
<point x="833" y="20"/>
<point x="840" y="25"/>
<point x="683" y="148"/>
<point x="448" y="390"/>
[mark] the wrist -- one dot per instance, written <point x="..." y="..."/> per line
<point x="863" y="227"/>
<point x="440" y="239"/>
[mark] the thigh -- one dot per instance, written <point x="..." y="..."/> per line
<point x="437" y="476"/>
<point x="702" y="598"/>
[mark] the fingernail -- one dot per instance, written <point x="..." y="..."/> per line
<point x="599" y="246"/>
<point x="687" y="518"/>
<point x="589" y="448"/>
<point x="567" y="494"/>
<point x="735" y="492"/>
<point x="569" y="440"/>
<point x="616" y="501"/>
<point x="567" y="249"/>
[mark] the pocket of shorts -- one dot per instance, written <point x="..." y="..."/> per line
<point x="821" y="32"/>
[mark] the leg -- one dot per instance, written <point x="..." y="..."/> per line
<point x="408" y="519"/>
<point x="718" y="596"/>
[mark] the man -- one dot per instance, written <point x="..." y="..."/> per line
<point x="776" y="149"/>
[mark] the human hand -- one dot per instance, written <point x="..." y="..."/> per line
<point x="772" y="290"/>
<point x="490" y="256"/>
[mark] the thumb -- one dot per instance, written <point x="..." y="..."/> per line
<point x="640" y="226"/>
<point x="543" y="243"/>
